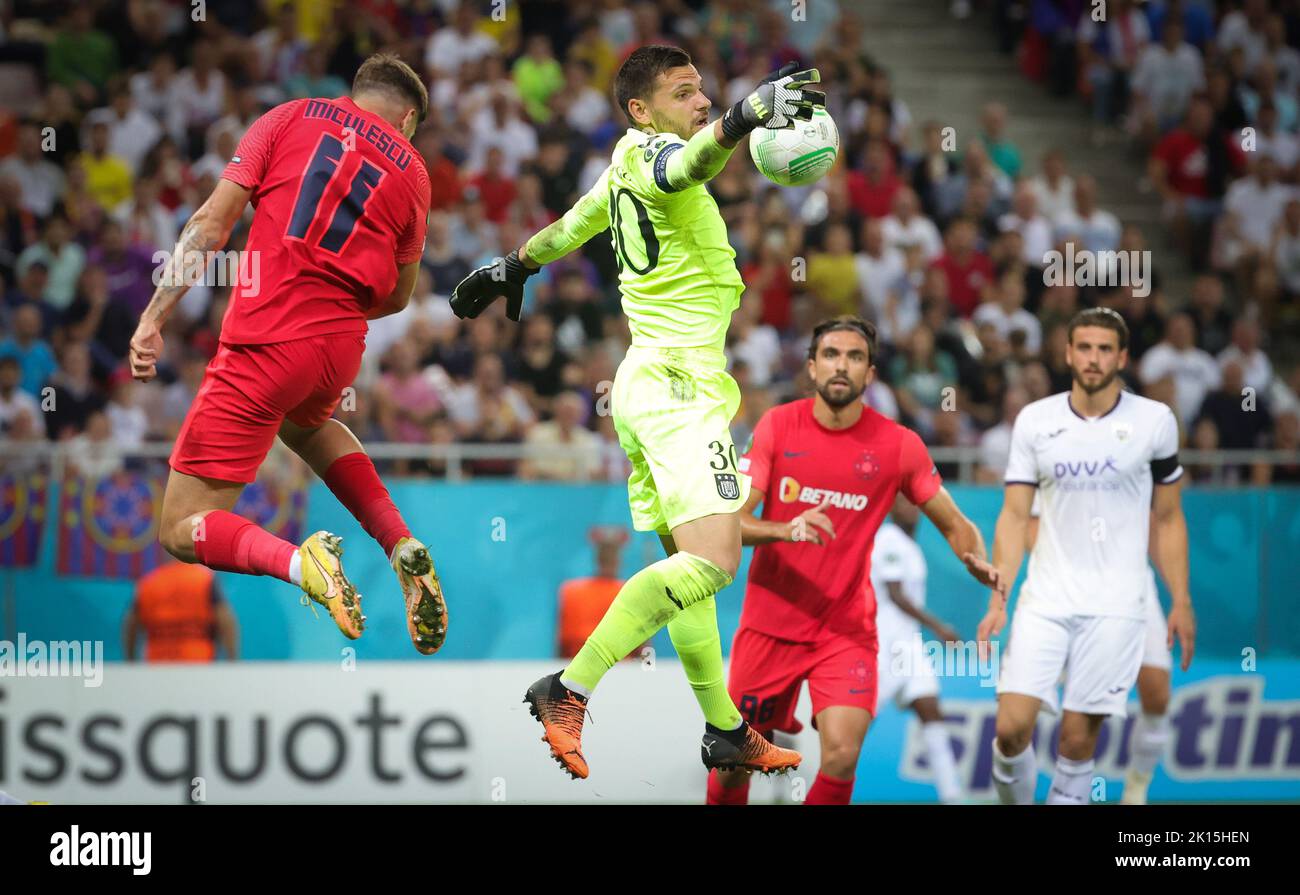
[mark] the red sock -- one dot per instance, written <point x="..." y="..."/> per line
<point x="829" y="791"/>
<point x="721" y="795"/>
<point x="355" y="483"/>
<point x="230" y="543"/>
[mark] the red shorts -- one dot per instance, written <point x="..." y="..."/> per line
<point x="766" y="673"/>
<point x="249" y="390"/>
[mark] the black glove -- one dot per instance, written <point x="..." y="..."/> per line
<point x="485" y="285"/>
<point x="777" y="103"/>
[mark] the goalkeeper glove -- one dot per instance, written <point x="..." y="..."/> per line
<point x="777" y="103"/>
<point x="505" y="276"/>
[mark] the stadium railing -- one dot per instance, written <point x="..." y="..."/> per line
<point x="456" y="458"/>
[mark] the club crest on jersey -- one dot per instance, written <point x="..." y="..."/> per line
<point x="866" y="466"/>
<point x="728" y="486"/>
<point x="790" y="491"/>
<point x="1122" y="430"/>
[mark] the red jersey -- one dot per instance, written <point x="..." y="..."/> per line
<point x="803" y="592"/>
<point x="965" y="280"/>
<point x="341" y="199"/>
<point x="1187" y="163"/>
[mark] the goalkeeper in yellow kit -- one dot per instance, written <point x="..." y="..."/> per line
<point x="673" y="399"/>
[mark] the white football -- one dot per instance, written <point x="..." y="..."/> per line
<point x="799" y="155"/>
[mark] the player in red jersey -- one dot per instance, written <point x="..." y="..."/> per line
<point x="826" y="470"/>
<point x="341" y="203"/>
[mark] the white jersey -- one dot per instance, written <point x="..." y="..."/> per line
<point x="896" y="558"/>
<point x="1094" y="477"/>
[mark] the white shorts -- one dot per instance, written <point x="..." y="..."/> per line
<point x="905" y="673"/>
<point x="1099" y="655"/>
<point x="1155" y="647"/>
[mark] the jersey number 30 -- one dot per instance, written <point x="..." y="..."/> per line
<point x="324" y="166"/>
<point x="643" y="225"/>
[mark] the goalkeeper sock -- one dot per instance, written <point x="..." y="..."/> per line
<point x="694" y="633"/>
<point x="647" y="601"/>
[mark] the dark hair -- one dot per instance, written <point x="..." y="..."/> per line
<point x="387" y="73"/>
<point x="844" y="323"/>
<point x="1103" y="317"/>
<point x="637" y="75"/>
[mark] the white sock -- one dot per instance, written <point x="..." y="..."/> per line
<point x="1072" y="781"/>
<point x="1015" y="778"/>
<point x="943" y="764"/>
<point x="576" y="687"/>
<point x="295" y="568"/>
<point x="1148" y="741"/>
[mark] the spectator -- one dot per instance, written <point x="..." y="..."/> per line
<point x="1245" y="352"/>
<point x="754" y="342"/>
<point x="1034" y="229"/>
<point x="770" y="278"/>
<point x="1270" y="140"/>
<point x="486" y="408"/>
<point x="1263" y="89"/>
<point x="81" y="57"/>
<point x="314" y="78"/>
<point x="200" y="92"/>
<point x="968" y="271"/>
<point x="1285" y="59"/>
<point x="75" y="394"/>
<point x="584" y="601"/>
<point x="129" y="268"/>
<point x="33" y="354"/>
<point x="541" y="362"/>
<point x="1286" y="247"/>
<point x="495" y="188"/>
<point x="108" y="177"/>
<point x="457" y="43"/>
<point x="1213" y="322"/>
<point x="906" y="227"/>
<point x="180" y="611"/>
<point x="1190" y="166"/>
<point x="832" y="273"/>
<point x="995" y="444"/>
<point x="1241" y="422"/>
<point x="584" y="107"/>
<point x="1003" y="153"/>
<point x="1286" y="437"/>
<point x="872" y="189"/>
<point x="407" y="401"/>
<point x="1108" y="52"/>
<point x="1252" y="209"/>
<point x="879" y="269"/>
<point x="1096" y="229"/>
<point x="95" y="454"/>
<point x="581" y="462"/>
<point x="920" y="375"/>
<point x="1244" y="29"/>
<point x="63" y="259"/>
<point x="1054" y="187"/>
<point x="132" y="132"/>
<point x="538" y="77"/>
<point x="1006" y="312"/>
<point x="127" y="420"/>
<point x="40" y="181"/>
<point x="1166" y="76"/>
<point x="1192" y="371"/>
<point x="14" y="400"/>
<point x="935" y="167"/>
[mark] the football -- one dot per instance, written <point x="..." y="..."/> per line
<point x="799" y="155"/>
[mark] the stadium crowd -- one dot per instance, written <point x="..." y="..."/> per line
<point x="119" y="118"/>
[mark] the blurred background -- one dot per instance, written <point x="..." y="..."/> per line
<point x="976" y="139"/>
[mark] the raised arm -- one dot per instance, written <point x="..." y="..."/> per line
<point x="206" y="231"/>
<point x="506" y="276"/>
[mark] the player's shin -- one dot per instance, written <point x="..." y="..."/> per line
<point x="1015" y="777"/>
<point x="648" y="600"/>
<point x="1150" y="737"/>
<point x="694" y="633"/>
<point x="728" y="788"/>
<point x="357" y="486"/>
<point x="938" y="748"/>
<point x="1072" y="781"/>
<point x="229" y="543"/>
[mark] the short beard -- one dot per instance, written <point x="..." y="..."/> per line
<point x="837" y="403"/>
<point x="1105" y="381"/>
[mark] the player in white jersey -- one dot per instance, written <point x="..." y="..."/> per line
<point x="1150" y="733"/>
<point x="898" y="574"/>
<point x="1104" y="461"/>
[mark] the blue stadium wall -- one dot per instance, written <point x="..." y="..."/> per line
<point x="503" y="549"/>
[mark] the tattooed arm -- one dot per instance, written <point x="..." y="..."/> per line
<point x="206" y="231"/>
